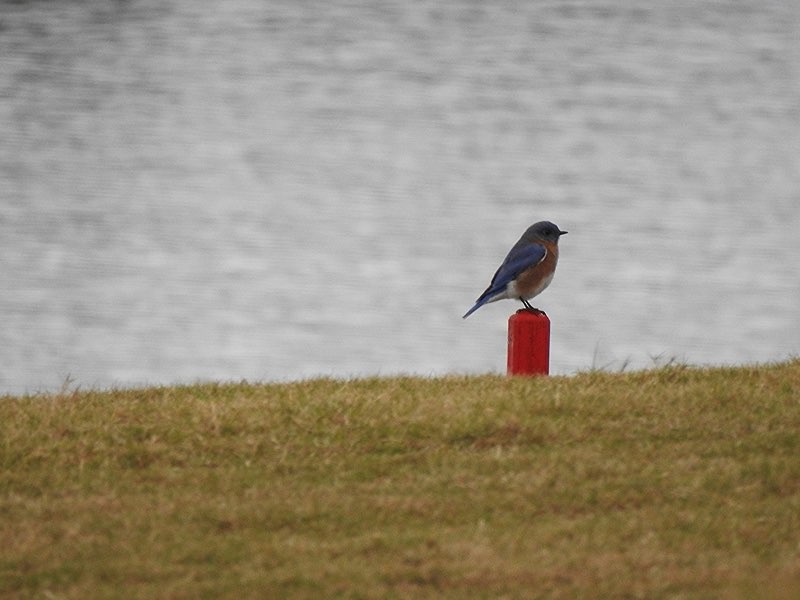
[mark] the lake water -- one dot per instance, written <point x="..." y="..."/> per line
<point x="279" y="190"/>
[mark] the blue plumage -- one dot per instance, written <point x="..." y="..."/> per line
<point x="527" y="269"/>
<point x="519" y="259"/>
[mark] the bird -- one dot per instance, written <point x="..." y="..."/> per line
<point x="527" y="268"/>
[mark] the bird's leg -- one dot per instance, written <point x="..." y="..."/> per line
<point x="528" y="306"/>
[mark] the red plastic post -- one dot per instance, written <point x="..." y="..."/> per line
<point x="528" y="343"/>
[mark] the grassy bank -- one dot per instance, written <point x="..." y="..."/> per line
<point x="670" y="483"/>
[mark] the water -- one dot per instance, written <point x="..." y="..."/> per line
<point x="272" y="191"/>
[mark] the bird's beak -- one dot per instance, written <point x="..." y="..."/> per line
<point x="562" y="232"/>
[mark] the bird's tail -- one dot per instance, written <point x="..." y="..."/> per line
<point x="471" y="310"/>
<point x="480" y="302"/>
<point x="490" y="295"/>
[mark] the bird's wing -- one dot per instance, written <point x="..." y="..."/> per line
<point x="518" y="259"/>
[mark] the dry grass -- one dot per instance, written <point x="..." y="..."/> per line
<point x="673" y="483"/>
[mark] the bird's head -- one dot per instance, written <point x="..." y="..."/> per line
<point x="544" y="230"/>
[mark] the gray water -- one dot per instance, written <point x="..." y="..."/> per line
<point x="258" y="190"/>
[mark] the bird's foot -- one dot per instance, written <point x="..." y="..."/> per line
<point x="532" y="309"/>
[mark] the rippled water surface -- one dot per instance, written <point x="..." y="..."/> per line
<point x="270" y="191"/>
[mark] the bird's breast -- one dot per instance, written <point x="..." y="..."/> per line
<point x="533" y="281"/>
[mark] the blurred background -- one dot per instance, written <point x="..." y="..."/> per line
<point x="276" y="190"/>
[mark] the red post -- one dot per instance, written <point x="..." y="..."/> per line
<point x="528" y="343"/>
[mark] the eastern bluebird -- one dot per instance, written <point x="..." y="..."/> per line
<point x="527" y="269"/>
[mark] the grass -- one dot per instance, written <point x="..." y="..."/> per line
<point x="671" y="483"/>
